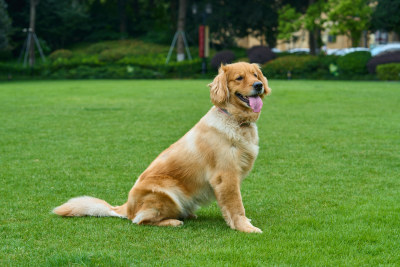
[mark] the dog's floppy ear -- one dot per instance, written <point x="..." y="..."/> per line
<point x="219" y="92"/>
<point x="262" y="78"/>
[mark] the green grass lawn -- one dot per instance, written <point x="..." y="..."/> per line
<point x="325" y="188"/>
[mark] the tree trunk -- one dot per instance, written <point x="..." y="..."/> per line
<point x="365" y="38"/>
<point x="312" y="35"/>
<point x="317" y="40"/>
<point x="122" y="18"/>
<point x="355" y="38"/>
<point x="181" y="29"/>
<point x="31" y="31"/>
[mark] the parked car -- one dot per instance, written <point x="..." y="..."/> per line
<point x="299" y="51"/>
<point x="345" y="51"/>
<point x="380" y="49"/>
<point x="276" y="50"/>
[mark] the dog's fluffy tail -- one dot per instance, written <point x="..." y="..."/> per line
<point x="90" y="206"/>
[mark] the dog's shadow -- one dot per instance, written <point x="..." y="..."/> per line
<point x="209" y="221"/>
<point x="203" y="221"/>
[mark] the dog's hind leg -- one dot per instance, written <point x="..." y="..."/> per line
<point x="169" y="222"/>
<point x="152" y="217"/>
<point x="147" y="216"/>
<point x="156" y="208"/>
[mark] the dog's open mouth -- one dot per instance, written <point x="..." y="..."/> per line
<point x="253" y="101"/>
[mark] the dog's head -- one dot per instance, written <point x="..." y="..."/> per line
<point x="239" y="87"/>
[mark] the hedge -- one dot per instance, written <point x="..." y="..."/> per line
<point x="92" y="68"/>
<point x="389" y="72"/>
<point x="62" y="65"/>
<point x="354" y="63"/>
<point x="294" y="67"/>
<point x="60" y="53"/>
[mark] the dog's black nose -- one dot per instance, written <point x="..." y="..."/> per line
<point x="258" y="86"/>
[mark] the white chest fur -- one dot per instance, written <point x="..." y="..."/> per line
<point x="242" y="141"/>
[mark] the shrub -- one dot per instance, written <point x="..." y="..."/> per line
<point x="354" y="63"/>
<point x="73" y="62"/>
<point x="223" y="57"/>
<point x="98" y="48"/>
<point x="392" y="57"/>
<point x="111" y="55"/>
<point x="284" y="54"/>
<point x="130" y="47"/>
<point x="18" y="69"/>
<point x="6" y="55"/>
<point x="60" y="53"/>
<point x="148" y="60"/>
<point x="101" y="72"/>
<point x="298" y="66"/>
<point x="326" y="60"/>
<point x="127" y="68"/>
<point x="260" y="54"/>
<point x="183" y="68"/>
<point x="389" y="71"/>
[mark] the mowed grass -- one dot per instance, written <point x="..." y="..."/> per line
<point x="325" y="188"/>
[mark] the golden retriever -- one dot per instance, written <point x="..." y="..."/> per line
<point x="207" y="163"/>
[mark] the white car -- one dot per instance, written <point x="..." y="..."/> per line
<point x="385" y="48"/>
<point x="299" y="50"/>
<point x="345" y="51"/>
<point x="276" y="50"/>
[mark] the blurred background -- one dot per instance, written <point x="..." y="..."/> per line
<point x="138" y="39"/>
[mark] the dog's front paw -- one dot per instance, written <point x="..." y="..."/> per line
<point x="250" y="229"/>
<point x="243" y="224"/>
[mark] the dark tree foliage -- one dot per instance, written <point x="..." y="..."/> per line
<point x="231" y="19"/>
<point x="154" y="20"/>
<point x="69" y="22"/>
<point x="300" y="5"/>
<point x="387" y="16"/>
<point x="5" y="25"/>
<point x="60" y="24"/>
<point x="260" y="18"/>
<point x="19" y="13"/>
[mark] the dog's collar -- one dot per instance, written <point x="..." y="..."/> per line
<point x="224" y="111"/>
<point x="242" y="124"/>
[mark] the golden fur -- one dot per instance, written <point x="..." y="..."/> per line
<point x="209" y="162"/>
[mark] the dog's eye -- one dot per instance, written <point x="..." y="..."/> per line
<point x="255" y="75"/>
<point x="239" y="78"/>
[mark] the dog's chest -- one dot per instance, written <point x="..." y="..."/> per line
<point x="235" y="146"/>
<point x="244" y="149"/>
<point x="246" y="155"/>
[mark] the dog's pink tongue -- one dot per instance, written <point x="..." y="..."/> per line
<point x="255" y="103"/>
